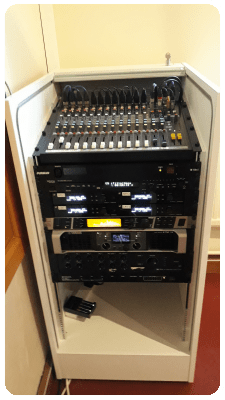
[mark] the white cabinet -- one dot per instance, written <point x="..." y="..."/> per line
<point x="138" y="331"/>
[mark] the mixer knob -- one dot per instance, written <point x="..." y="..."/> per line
<point x="76" y="146"/>
<point x="93" y="145"/>
<point x="128" y="143"/>
<point x="102" y="145"/>
<point x="120" y="145"/>
<point x="106" y="246"/>
<point x="85" y="145"/>
<point x="152" y="261"/>
<point x="146" y="143"/>
<point x="111" y="145"/>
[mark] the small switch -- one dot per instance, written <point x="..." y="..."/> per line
<point x="120" y="145"/>
<point x="50" y="146"/>
<point x="85" y="145"/>
<point x="61" y="139"/>
<point x="68" y="145"/>
<point x="146" y="143"/>
<point x="93" y="145"/>
<point x="102" y="145"/>
<point x="111" y="145"/>
<point x="128" y="143"/>
<point x="76" y="146"/>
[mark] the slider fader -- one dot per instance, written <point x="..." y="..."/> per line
<point x="117" y="170"/>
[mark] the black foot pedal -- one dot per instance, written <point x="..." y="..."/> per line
<point x="78" y="306"/>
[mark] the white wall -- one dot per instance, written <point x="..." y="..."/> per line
<point x="90" y="35"/>
<point x="24" y="50"/>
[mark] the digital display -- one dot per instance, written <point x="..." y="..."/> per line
<point x="121" y="184"/>
<point x="141" y="197"/>
<point x="76" y="198"/>
<point x="120" y="238"/>
<point x="102" y="223"/>
<point x="76" y="211"/>
<point x="141" y="210"/>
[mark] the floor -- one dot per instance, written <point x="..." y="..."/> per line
<point x="207" y="375"/>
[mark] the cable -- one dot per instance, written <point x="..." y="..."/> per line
<point x="65" y="93"/>
<point x="178" y="81"/>
<point x="8" y="88"/>
<point x="82" y="87"/>
<point x="66" y="388"/>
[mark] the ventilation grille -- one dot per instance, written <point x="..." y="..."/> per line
<point x="70" y="241"/>
<point x="153" y="278"/>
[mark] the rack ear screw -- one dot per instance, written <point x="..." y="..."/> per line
<point x="36" y="148"/>
<point x="43" y="133"/>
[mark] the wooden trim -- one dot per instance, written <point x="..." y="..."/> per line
<point x="16" y="233"/>
<point x="47" y="373"/>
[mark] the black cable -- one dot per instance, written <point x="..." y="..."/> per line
<point x="108" y="90"/>
<point x="82" y="87"/>
<point x="64" y="92"/>
<point x="8" y="88"/>
<point x="178" y="81"/>
<point x="78" y="92"/>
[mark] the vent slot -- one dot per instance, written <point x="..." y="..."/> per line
<point x="153" y="278"/>
<point x="70" y="241"/>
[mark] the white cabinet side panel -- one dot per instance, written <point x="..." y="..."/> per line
<point x="197" y="84"/>
<point x="22" y="146"/>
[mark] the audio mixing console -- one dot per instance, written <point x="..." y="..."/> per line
<point x="124" y="126"/>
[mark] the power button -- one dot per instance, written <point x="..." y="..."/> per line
<point x="58" y="172"/>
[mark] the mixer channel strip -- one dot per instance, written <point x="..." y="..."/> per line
<point x="115" y="140"/>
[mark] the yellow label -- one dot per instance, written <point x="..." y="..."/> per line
<point x="104" y="223"/>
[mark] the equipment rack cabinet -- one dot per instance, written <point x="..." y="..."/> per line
<point x="138" y="331"/>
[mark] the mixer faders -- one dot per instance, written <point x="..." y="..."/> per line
<point x="127" y="121"/>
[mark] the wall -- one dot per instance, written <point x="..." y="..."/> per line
<point x="25" y="56"/>
<point x="26" y="337"/>
<point x="108" y="35"/>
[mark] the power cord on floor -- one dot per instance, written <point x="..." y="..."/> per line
<point x="66" y="389"/>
